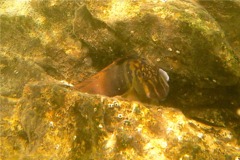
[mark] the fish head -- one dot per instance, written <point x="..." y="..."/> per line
<point x="149" y="82"/>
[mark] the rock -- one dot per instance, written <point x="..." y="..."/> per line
<point x="226" y="13"/>
<point x="60" y="123"/>
<point x="197" y="42"/>
<point x="102" y="40"/>
<point x="14" y="75"/>
<point x="47" y="47"/>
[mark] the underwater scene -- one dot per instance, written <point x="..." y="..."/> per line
<point x="119" y="80"/>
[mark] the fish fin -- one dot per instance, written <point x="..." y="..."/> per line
<point x="130" y="95"/>
<point x="164" y="74"/>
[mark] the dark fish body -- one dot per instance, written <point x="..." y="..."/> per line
<point x="132" y="78"/>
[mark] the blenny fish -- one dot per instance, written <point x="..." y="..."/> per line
<point x="131" y="78"/>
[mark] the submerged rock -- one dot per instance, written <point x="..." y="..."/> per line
<point x="49" y="46"/>
<point x="64" y="124"/>
<point x="198" y="41"/>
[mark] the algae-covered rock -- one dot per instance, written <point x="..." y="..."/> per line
<point x="226" y="14"/>
<point x="60" y="123"/>
<point x="15" y="74"/>
<point x="182" y="34"/>
<point x="49" y="46"/>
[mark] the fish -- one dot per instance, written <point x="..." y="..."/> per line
<point x="131" y="78"/>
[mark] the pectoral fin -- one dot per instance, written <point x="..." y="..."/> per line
<point x="131" y="95"/>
